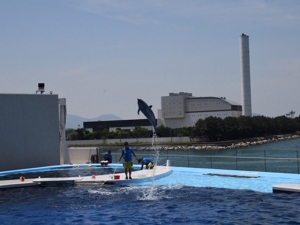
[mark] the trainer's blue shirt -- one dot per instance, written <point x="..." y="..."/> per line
<point x="127" y="154"/>
<point x="107" y="156"/>
<point x="147" y="160"/>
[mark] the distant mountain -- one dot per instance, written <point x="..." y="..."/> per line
<point x="73" y="121"/>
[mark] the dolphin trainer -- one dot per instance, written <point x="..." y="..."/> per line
<point x="147" y="111"/>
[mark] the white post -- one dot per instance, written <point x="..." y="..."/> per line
<point x="64" y="151"/>
<point x="168" y="163"/>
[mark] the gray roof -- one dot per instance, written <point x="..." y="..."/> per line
<point x="222" y="98"/>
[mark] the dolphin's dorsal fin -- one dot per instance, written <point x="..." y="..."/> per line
<point x="150" y="106"/>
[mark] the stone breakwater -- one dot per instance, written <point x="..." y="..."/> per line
<point x="224" y="145"/>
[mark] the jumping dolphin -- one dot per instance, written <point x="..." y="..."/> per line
<point x="146" y="110"/>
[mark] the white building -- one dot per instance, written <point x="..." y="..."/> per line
<point x="182" y="109"/>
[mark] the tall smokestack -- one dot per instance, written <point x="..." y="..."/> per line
<point x="245" y="72"/>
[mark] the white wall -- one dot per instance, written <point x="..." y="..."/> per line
<point x="83" y="154"/>
<point x="29" y="131"/>
<point x="129" y="140"/>
<point x="195" y="108"/>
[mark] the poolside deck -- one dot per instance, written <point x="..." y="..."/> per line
<point x="119" y="178"/>
<point x="287" y="188"/>
<point x="137" y="176"/>
<point x="16" y="183"/>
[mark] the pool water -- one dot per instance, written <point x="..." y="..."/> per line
<point x="231" y="179"/>
<point x="187" y="196"/>
<point x="96" y="204"/>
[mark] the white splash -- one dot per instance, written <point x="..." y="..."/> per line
<point x="151" y="195"/>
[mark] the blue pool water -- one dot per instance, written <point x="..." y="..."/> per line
<point x="187" y="196"/>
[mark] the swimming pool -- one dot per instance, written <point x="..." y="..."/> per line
<point x="188" y="195"/>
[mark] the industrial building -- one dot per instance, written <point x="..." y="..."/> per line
<point x="182" y="109"/>
<point x="177" y="110"/>
<point x="112" y="125"/>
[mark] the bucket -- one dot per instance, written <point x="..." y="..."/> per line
<point x="104" y="163"/>
<point x="117" y="177"/>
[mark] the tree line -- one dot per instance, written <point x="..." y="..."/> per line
<point x="208" y="129"/>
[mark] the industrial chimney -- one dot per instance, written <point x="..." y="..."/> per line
<point x="245" y="72"/>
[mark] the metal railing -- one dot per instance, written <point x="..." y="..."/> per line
<point x="281" y="161"/>
<point x="252" y="160"/>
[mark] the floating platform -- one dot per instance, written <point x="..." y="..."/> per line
<point x="137" y="176"/>
<point x="56" y="179"/>
<point x="119" y="178"/>
<point x="16" y="183"/>
<point x="287" y="188"/>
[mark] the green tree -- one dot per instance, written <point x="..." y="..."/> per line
<point x="214" y="128"/>
<point x="105" y="134"/>
<point x="297" y="122"/>
<point x="183" y="131"/>
<point x="163" y="131"/>
<point x="245" y="128"/>
<point x="97" y="134"/>
<point x="285" y="125"/>
<point x="199" y="130"/>
<point x="231" y="125"/>
<point x="119" y="133"/>
<point x="140" y="132"/>
<point x="80" y="134"/>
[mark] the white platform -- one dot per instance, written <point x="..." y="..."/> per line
<point x="56" y="179"/>
<point x="137" y="176"/>
<point x="290" y="188"/>
<point x="16" y="183"/>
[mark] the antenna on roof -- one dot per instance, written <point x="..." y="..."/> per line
<point x="41" y="87"/>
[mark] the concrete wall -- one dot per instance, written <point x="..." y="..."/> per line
<point x="129" y="140"/>
<point x="29" y="131"/>
<point x="208" y="104"/>
<point x="81" y="155"/>
<point x="191" y="119"/>
<point x="173" y="106"/>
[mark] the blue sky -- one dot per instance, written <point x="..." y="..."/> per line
<point x="103" y="55"/>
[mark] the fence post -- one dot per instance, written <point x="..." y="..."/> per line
<point x="236" y="164"/>
<point x="265" y="161"/>
<point x="188" y="158"/>
<point x="210" y="159"/>
<point x="298" y="160"/>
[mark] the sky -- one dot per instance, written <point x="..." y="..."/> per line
<point x="102" y="55"/>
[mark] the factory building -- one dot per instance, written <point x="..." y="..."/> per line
<point x="182" y="109"/>
<point x="177" y="110"/>
<point x="112" y="125"/>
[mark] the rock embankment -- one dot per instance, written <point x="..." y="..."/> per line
<point x="224" y="145"/>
